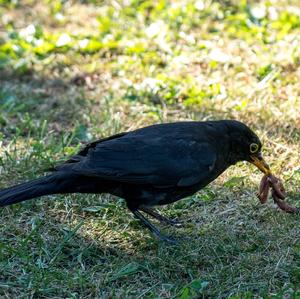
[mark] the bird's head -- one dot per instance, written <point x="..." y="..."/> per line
<point x="246" y="146"/>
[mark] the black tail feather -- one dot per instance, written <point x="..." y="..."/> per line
<point x="35" y="188"/>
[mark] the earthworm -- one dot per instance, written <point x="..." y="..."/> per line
<point x="284" y="205"/>
<point x="278" y="193"/>
<point x="264" y="188"/>
<point x="277" y="186"/>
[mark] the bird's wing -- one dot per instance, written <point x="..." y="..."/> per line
<point x="85" y="151"/>
<point x="157" y="161"/>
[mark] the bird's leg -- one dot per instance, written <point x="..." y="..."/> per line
<point x="158" y="216"/>
<point x="151" y="227"/>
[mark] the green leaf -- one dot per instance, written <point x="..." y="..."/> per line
<point x="185" y="294"/>
<point x="127" y="270"/>
<point x="193" y="289"/>
<point x="93" y="209"/>
<point x="234" y="181"/>
<point x="199" y="285"/>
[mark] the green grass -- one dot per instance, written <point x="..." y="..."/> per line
<point x="74" y="71"/>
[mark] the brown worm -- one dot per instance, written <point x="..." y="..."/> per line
<point x="284" y="205"/>
<point x="264" y="188"/>
<point x="277" y="186"/>
<point x="278" y="193"/>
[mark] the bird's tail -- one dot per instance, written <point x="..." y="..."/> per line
<point x="49" y="184"/>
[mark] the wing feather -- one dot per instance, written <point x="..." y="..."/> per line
<point x="157" y="160"/>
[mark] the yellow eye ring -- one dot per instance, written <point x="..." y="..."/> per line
<point x="253" y="148"/>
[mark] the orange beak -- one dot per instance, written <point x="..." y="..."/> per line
<point x="260" y="163"/>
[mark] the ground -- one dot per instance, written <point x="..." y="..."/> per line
<point x="74" y="71"/>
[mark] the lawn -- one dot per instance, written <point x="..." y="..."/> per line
<point x="74" y="71"/>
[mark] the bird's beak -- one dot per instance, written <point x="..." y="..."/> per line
<point x="260" y="163"/>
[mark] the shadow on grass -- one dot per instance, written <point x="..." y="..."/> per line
<point x="63" y="249"/>
<point x="28" y="100"/>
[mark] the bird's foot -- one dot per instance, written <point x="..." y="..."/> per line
<point x="161" y="218"/>
<point x="167" y="239"/>
<point x="175" y="222"/>
<point x="171" y="222"/>
<point x="152" y="228"/>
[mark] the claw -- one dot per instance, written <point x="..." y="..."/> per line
<point x="152" y="228"/>
<point x="160" y="217"/>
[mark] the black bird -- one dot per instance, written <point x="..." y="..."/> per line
<point x="154" y="165"/>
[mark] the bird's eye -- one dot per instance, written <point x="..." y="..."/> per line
<point x="253" y="148"/>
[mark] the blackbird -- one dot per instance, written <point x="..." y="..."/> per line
<point x="154" y="165"/>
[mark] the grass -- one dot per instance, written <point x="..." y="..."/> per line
<point x="73" y="71"/>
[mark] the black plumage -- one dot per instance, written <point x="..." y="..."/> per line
<point x="155" y="165"/>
